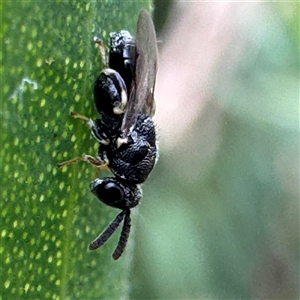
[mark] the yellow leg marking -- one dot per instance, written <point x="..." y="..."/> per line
<point x="99" y="43"/>
<point x="79" y="116"/>
<point x="69" y="162"/>
<point x="88" y="158"/>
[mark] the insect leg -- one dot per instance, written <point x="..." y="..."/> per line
<point x="124" y="236"/>
<point x="101" y="47"/>
<point x="96" y="131"/>
<point x="95" y="161"/>
<point x="105" y="235"/>
<point x="89" y="121"/>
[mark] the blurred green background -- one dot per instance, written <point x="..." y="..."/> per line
<point x="220" y="214"/>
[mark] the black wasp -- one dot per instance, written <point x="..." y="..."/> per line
<point x="123" y="95"/>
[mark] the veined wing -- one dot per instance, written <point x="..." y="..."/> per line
<point x="141" y="96"/>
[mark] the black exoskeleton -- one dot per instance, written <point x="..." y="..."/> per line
<point x="123" y="95"/>
<point x="121" y="55"/>
<point x="134" y="160"/>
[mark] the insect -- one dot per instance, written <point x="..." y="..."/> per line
<point x="121" y="55"/>
<point x="124" y="98"/>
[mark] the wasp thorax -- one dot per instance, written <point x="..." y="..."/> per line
<point x="110" y="93"/>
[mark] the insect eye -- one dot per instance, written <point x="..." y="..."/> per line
<point x="108" y="192"/>
<point x="113" y="192"/>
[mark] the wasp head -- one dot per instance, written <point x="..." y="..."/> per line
<point x="116" y="193"/>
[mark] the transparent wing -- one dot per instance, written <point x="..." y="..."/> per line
<point x="141" y="98"/>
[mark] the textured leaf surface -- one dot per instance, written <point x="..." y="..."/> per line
<point x="48" y="214"/>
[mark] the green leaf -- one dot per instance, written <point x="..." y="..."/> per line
<point x="48" y="215"/>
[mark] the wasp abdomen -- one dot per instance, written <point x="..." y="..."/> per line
<point x="121" y="55"/>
